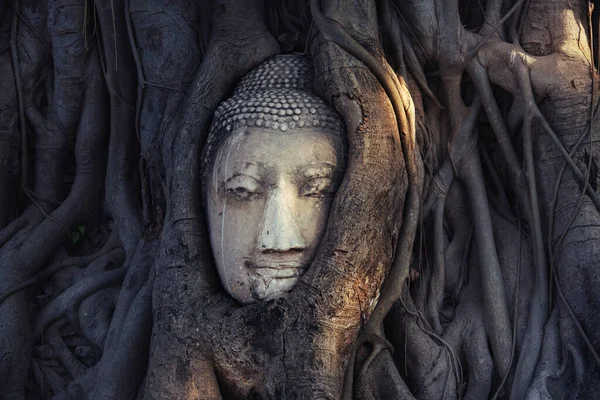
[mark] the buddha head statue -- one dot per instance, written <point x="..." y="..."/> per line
<point x="272" y="163"/>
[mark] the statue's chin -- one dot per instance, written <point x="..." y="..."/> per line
<point x="269" y="287"/>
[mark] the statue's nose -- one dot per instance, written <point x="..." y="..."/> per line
<point x="280" y="228"/>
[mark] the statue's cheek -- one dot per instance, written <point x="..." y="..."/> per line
<point x="314" y="214"/>
<point x="233" y="240"/>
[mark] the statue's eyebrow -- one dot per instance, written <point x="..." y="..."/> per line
<point x="223" y="184"/>
<point x="237" y="174"/>
<point x="255" y="169"/>
<point x="317" y="169"/>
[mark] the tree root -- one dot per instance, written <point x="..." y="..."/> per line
<point x="378" y="344"/>
<point x="404" y="111"/>
<point x="11" y="229"/>
<point x="123" y="176"/>
<point x="438" y="274"/>
<point x="241" y="44"/>
<point x="21" y="261"/>
<point x="516" y="177"/>
<point x="465" y="157"/>
<point x="467" y="334"/>
<point x="516" y="307"/>
<point x="127" y="340"/>
<point x="538" y="314"/>
<point x="138" y="271"/>
<point x="548" y="368"/>
<point x="61" y="352"/>
<point x="382" y="381"/>
<point x="131" y="354"/>
<point x="456" y="254"/>
<point x="45" y="376"/>
<point x="78" y="388"/>
<point x="429" y="362"/>
<point x="95" y="315"/>
<point x="72" y="297"/>
<point x="105" y="255"/>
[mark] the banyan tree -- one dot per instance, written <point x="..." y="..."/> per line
<point x="299" y="199"/>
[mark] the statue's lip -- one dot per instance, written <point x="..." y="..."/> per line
<point x="278" y="269"/>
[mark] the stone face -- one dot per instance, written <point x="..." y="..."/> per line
<point x="272" y="163"/>
<point x="267" y="204"/>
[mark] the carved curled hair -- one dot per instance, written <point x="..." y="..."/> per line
<point x="278" y="95"/>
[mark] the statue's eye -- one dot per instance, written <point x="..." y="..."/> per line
<point x="243" y="188"/>
<point x="318" y="187"/>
